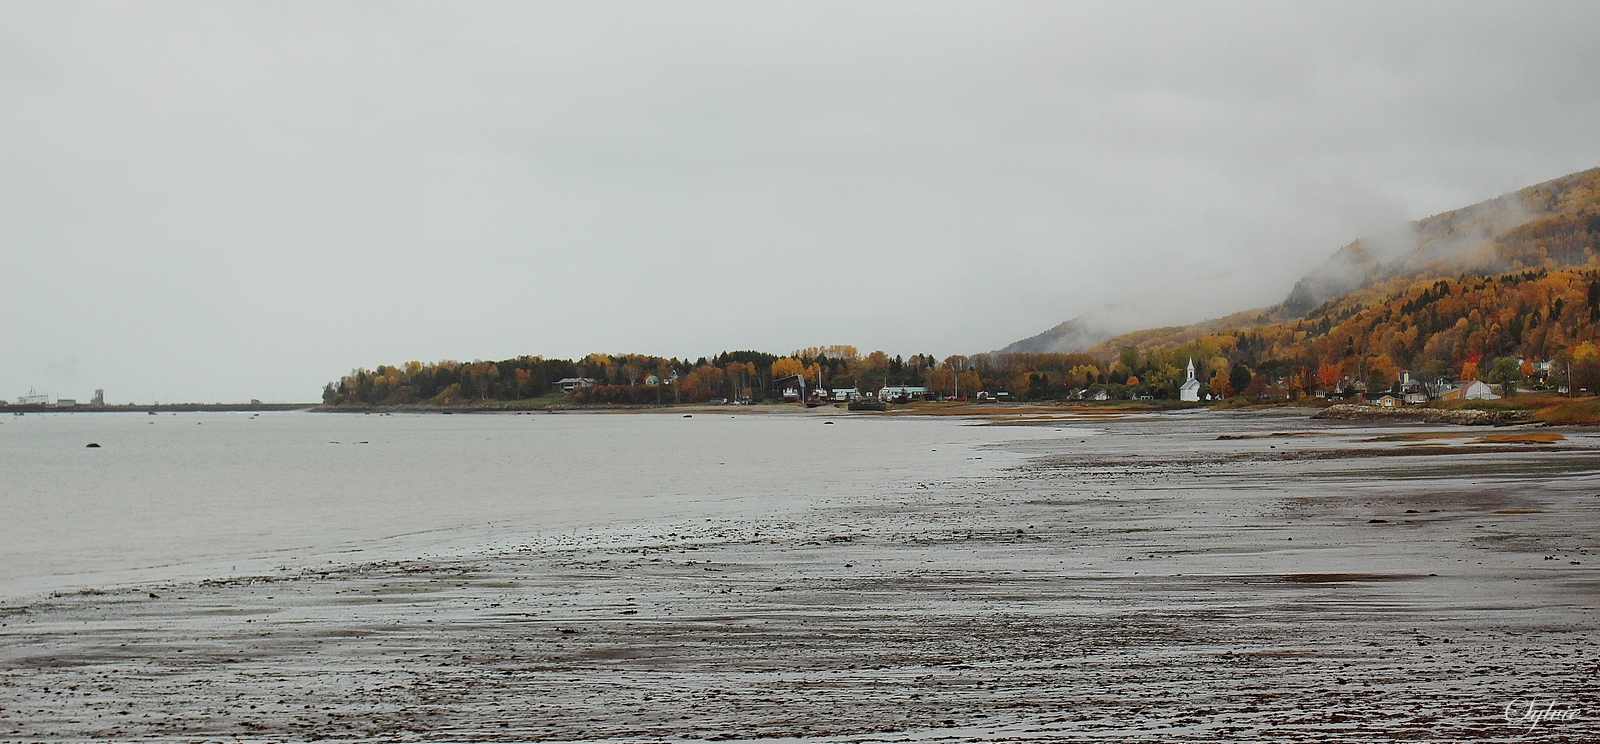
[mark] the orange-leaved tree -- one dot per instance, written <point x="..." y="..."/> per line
<point x="787" y="366"/>
<point x="1328" y="376"/>
<point x="1219" y="384"/>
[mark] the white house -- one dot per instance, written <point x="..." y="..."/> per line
<point x="569" y="384"/>
<point x="1191" y="387"/>
<point x="909" y="392"/>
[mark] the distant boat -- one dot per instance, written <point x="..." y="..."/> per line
<point x="819" y="395"/>
<point x="794" y="390"/>
<point x="866" y="404"/>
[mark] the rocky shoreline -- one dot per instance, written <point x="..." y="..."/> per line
<point x="1149" y="582"/>
<point x="1462" y="416"/>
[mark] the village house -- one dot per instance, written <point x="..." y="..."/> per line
<point x="902" y="393"/>
<point x="1410" y="391"/>
<point x="1386" y="400"/>
<point x="569" y="384"/>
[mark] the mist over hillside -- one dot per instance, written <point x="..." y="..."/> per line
<point x="1478" y="239"/>
<point x="1546" y="226"/>
<point x="1075" y="335"/>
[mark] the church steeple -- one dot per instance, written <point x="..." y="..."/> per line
<point x="1190" y="390"/>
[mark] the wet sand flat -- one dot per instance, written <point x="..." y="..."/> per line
<point x="1145" y="582"/>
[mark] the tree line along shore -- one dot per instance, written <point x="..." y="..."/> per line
<point x="749" y="377"/>
<point x="1055" y="380"/>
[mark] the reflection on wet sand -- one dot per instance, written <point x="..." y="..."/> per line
<point x="1152" y="582"/>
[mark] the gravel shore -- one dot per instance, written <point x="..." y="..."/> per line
<point x="1147" y="582"/>
<point x="1460" y="416"/>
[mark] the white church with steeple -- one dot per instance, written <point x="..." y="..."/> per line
<point x="1191" y="387"/>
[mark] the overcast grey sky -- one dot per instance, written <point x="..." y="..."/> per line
<point x="218" y="201"/>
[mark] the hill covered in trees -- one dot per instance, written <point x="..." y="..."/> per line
<point x="1489" y="327"/>
<point x="1512" y="277"/>
<point x="1546" y="226"/>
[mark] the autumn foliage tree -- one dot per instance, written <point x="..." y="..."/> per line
<point x="1219" y="384"/>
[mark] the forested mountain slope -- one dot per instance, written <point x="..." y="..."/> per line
<point x="1540" y="227"/>
<point x="1512" y="275"/>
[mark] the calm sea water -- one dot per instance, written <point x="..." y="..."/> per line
<point x="213" y="494"/>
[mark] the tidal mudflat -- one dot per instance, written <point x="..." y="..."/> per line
<point x="1135" y="578"/>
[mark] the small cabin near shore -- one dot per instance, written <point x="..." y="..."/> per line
<point x="1387" y="400"/>
<point x="569" y="384"/>
<point x="902" y="393"/>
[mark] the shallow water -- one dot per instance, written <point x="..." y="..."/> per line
<point x="199" y="495"/>
<point x="1201" y="576"/>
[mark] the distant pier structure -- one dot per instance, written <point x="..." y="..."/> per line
<point x="36" y="398"/>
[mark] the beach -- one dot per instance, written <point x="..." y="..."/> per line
<point x="1190" y="576"/>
